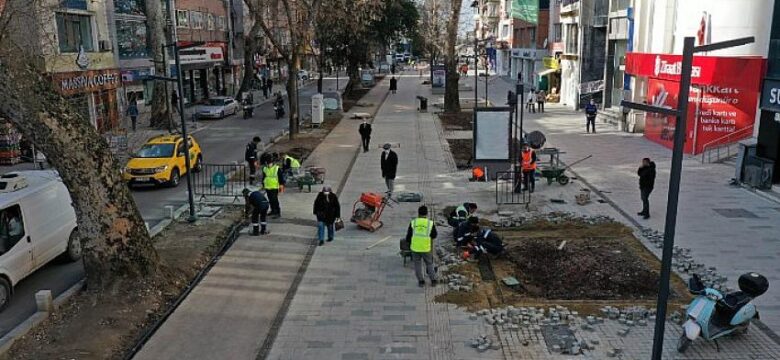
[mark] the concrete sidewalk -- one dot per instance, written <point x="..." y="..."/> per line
<point x="233" y="310"/>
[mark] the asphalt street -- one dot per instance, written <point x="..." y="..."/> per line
<point x="222" y="141"/>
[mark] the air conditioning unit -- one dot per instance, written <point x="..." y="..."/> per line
<point x="104" y="45"/>
<point x="11" y="182"/>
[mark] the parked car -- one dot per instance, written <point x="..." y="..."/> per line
<point x="303" y="75"/>
<point x="218" y="107"/>
<point x="157" y="163"/>
<point x="37" y="225"/>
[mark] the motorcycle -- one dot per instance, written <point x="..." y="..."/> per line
<point x="279" y="109"/>
<point x="248" y="109"/>
<point x="713" y="315"/>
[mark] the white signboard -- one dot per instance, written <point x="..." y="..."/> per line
<point x="491" y="135"/>
<point x="199" y="55"/>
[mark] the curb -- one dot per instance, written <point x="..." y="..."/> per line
<point x="36" y="319"/>
<point x="157" y="229"/>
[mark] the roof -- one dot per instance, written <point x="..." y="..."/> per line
<point x="36" y="180"/>
<point x="164" y="139"/>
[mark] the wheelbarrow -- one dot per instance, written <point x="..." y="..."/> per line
<point x="555" y="173"/>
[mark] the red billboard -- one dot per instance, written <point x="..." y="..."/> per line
<point x="722" y="102"/>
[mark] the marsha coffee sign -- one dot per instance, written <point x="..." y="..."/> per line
<point x="722" y="101"/>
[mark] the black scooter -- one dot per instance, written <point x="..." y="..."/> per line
<point x="279" y="108"/>
<point x="249" y="109"/>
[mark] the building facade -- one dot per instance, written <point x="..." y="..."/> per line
<point x="768" y="139"/>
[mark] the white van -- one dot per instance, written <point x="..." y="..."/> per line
<point x="37" y="224"/>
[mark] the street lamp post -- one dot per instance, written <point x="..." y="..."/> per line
<point x="681" y="115"/>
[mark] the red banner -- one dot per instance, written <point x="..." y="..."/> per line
<point x="722" y="101"/>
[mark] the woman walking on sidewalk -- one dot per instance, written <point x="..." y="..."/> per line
<point x="327" y="210"/>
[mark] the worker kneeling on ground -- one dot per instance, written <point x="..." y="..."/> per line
<point x="290" y="165"/>
<point x="465" y="232"/>
<point x="257" y="203"/>
<point x="487" y="242"/>
<point x="420" y="235"/>
<point x="461" y="214"/>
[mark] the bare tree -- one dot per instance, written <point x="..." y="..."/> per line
<point x="155" y="27"/>
<point x="451" y="93"/>
<point x="289" y="20"/>
<point x="115" y="241"/>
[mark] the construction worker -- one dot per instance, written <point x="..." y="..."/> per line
<point x="250" y="155"/>
<point x="290" y="165"/>
<point x="420" y="236"/>
<point x="528" y="167"/>
<point x="273" y="179"/>
<point x="487" y="242"/>
<point x="259" y="204"/>
<point x="466" y="231"/>
<point x="461" y="214"/>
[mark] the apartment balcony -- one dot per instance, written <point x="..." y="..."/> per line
<point x="570" y="7"/>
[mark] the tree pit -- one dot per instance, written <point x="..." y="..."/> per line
<point x="462" y="152"/>
<point x="457" y="121"/>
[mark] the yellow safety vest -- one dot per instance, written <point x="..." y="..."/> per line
<point x="271" y="178"/>
<point x="293" y="162"/>
<point x="421" y="235"/>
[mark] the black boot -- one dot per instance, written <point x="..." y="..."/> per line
<point x="255" y="230"/>
<point x="263" y="230"/>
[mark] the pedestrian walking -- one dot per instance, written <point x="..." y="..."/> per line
<point x="264" y="86"/>
<point x="175" y="101"/>
<point x="541" y="97"/>
<point x="132" y="112"/>
<point x="528" y="167"/>
<point x="250" y="156"/>
<point x="269" y="83"/>
<point x="420" y="236"/>
<point x="646" y="174"/>
<point x="392" y="69"/>
<point x="531" y="104"/>
<point x="591" y="110"/>
<point x="327" y="210"/>
<point x="365" y="134"/>
<point x="393" y="85"/>
<point x="273" y="179"/>
<point x="389" y="163"/>
<point x="257" y="204"/>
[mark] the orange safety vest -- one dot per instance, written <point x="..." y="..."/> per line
<point x="527" y="164"/>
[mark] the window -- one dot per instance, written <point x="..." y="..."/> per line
<point x="11" y="227"/>
<point x="505" y="31"/>
<point x="532" y="32"/>
<point x="182" y="18"/>
<point x="221" y="23"/>
<point x="210" y="18"/>
<point x="196" y="20"/>
<point x="74" y="31"/>
<point x="572" y="39"/>
<point x="557" y="35"/>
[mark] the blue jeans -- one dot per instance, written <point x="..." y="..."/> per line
<point x="321" y="225"/>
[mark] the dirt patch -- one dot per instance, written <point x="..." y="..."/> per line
<point x="599" y="264"/>
<point x="462" y="151"/>
<point x="457" y="121"/>
<point x="105" y="325"/>
<point x="352" y="97"/>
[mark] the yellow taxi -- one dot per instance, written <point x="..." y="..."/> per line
<point x="161" y="161"/>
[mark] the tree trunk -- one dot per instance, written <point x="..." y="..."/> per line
<point x="451" y="93"/>
<point x="251" y="48"/>
<point x="292" y="93"/>
<point x="155" y="20"/>
<point x="116" y="244"/>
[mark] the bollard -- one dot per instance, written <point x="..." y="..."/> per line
<point x="170" y="211"/>
<point x="43" y="300"/>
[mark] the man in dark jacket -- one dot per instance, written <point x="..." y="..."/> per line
<point x="591" y="110"/>
<point x="389" y="167"/>
<point x="257" y="203"/>
<point x="365" y="134"/>
<point x="646" y="183"/>
<point x="393" y="85"/>
<point x="466" y="231"/>
<point x="327" y="210"/>
<point x="250" y="156"/>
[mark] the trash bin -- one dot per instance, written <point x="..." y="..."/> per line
<point x="423" y="104"/>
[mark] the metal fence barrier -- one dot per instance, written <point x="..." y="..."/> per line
<point x="220" y="180"/>
<point x="509" y="188"/>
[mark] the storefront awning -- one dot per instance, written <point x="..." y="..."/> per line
<point x="548" y="72"/>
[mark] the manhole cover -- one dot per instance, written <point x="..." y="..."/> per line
<point x="735" y="213"/>
<point x="560" y="335"/>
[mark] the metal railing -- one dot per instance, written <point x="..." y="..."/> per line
<point x="723" y="147"/>
<point x="509" y="188"/>
<point x="220" y="180"/>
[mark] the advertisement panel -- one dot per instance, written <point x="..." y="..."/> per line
<point x="722" y="101"/>
<point x="526" y="10"/>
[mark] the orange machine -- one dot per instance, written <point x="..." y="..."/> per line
<point x="368" y="209"/>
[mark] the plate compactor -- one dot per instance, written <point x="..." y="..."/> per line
<point x="368" y="209"/>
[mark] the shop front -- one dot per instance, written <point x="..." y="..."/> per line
<point x="203" y="70"/>
<point x="723" y="97"/>
<point x="550" y="76"/>
<point x="528" y="62"/>
<point x="93" y="93"/>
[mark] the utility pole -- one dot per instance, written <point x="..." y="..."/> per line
<point x="681" y="115"/>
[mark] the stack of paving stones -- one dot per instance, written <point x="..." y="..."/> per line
<point x="511" y="219"/>
<point x="683" y="262"/>
<point x="458" y="282"/>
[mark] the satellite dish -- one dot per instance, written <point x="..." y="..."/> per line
<point x="536" y="139"/>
